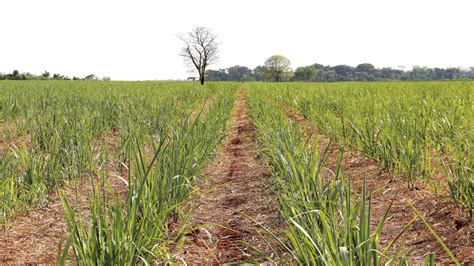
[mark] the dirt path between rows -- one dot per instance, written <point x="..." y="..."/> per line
<point x="443" y="215"/>
<point x="236" y="186"/>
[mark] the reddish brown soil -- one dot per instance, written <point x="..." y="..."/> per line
<point x="235" y="185"/>
<point x="446" y="218"/>
<point x="35" y="236"/>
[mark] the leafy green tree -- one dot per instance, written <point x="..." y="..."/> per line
<point x="327" y="74"/>
<point x="361" y="76"/>
<point x="217" y="75"/>
<point x="239" y="73"/>
<point x="471" y="73"/>
<point x="453" y="73"/>
<point x="439" y="74"/>
<point x="15" y="75"/>
<point x="278" y="68"/>
<point x="259" y="73"/>
<point x="91" y="77"/>
<point x="318" y="66"/>
<point x="388" y="73"/>
<point x="306" y="73"/>
<point x="46" y="74"/>
<point x="343" y="72"/>
<point x="367" y="68"/>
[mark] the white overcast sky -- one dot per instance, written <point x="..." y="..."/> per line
<point x="136" y="40"/>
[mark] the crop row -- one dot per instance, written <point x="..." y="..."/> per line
<point x="64" y="123"/>
<point x="137" y="228"/>
<point x="422" y="131"/>
<point x="328" y="223"/>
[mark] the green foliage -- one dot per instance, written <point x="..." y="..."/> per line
<point x="362" y="72"/>
<point x="407" y="127"/>
<point x="137" y="229"/>
<point x="326" y="225"/>
<point x="277" y="67"/>
<point x="57" y="125"/>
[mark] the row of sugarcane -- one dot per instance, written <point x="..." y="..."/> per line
<point x="418" y="130"/>
<point x="58" y="125"/>
<point x="328" y="224"/>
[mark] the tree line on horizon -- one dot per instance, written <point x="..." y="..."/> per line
<point x="339" y="73"/>
<point x="16" y="75"/>
<point x="311" y="73"/>
<point x="201" y="49"/>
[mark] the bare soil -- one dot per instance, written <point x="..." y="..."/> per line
<point x="235" y="189"/>
<point x="444" y="216"/>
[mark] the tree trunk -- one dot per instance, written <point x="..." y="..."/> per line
<point x="201" y="79"/>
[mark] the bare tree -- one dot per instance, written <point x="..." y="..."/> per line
<point x="200" y="49"/>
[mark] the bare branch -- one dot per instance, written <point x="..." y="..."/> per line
<point x="200" y="49"/>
